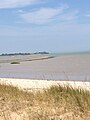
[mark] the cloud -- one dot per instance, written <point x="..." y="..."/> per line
<point x="43" y="15"/>
<point x="15" y="3"/>
<point x="88" y="15"/>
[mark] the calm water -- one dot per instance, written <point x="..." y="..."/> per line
<point x="63" y="67"/>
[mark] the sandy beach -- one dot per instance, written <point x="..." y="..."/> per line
<point x="29" y="84"/>
<point x="22" y="106"/>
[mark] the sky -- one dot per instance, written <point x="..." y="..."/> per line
<point x="44" y="25"/>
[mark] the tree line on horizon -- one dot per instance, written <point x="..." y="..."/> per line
<point x="10" y="54"/>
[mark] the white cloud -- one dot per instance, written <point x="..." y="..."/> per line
<point x="43" y="15"/>
<point x="15" y="3"/>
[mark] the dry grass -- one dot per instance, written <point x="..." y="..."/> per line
<point x="55" y="103"/>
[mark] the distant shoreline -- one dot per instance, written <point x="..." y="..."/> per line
<point x="11" y="54"/>
<point x="30" y="59"/>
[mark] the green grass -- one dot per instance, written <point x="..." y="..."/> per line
<point x="54" y="103"/>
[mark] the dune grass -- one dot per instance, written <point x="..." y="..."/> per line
<point x="54" y="103"/>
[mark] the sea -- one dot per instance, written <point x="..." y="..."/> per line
<point x="61" y="66"/>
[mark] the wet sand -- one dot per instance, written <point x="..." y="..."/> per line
<point x="65" y="67"/>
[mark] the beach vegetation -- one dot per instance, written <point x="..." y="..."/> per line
<point x="54" y="103"/>
<point x="15" y="62"/>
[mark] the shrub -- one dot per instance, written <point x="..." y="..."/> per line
<point x="15" y="62"/>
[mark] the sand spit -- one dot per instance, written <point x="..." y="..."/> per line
<point x="29" y="84"/>
<point x="11" y="59"/>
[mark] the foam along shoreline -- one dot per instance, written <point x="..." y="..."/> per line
<point x="29" y="84"/>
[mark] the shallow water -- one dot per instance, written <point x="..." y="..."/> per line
<point x="62" y="67"/>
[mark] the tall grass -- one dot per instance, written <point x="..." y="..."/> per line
<point x="55" y="103"/>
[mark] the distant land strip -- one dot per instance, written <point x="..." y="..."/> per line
<point x="11" y="54"/>
<point x="21" y="60"/>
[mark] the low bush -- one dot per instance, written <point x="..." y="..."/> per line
<point x="15" y="62"/>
